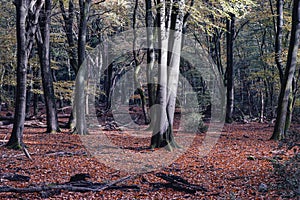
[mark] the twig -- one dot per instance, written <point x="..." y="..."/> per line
<point x="26" y="153"/>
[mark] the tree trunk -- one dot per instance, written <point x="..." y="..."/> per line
<point x="137" y="67"/>
<point x="170" y="15"/>
<point x="80" y="109"/>
<point x="68" y="17"/>
<point x="150" y="53"/>
<point x="278" y="39"/>
<point x="36" y="86"/>
<point x="25" y="34"/>
<point x="29" y="91"/>
<point x="230" y="70"/>
<point x="43" y="39"/>
<point x="286" y="86"/>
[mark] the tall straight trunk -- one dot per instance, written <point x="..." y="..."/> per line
<point x="36" y="86"/>
<point x="25" y="34"/>
<point x="29" y="91"/>
<point x="43" y="39"/>
<point x="230" y="71"/>
<point x="161" y="126"/>
<point x="286" y="86"/>
<point x="68" y="17"/>
<point x="150" y="53"/>
<point x="137" y="67"/>
<point x="80" y="109"/>
<point x="278" y="39"/>
<point x="108" y="85"/>
<point x="175" y="45"/>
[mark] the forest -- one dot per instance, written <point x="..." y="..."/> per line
<point x="150" y="99"/>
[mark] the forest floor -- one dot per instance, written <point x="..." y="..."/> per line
<point x="239" y="166"/>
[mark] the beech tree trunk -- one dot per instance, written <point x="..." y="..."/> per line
<point x="80" y="100"/>
<point x="137" y="67"/>
<point x="43" y="39"/>
<point x="150" y="53"/>
<point x="286" y="86"/>
<point x="278" y="39"/>
<point x="230" y="71"/>
<point x="26" y="24"/>
<point x="68" y="17"/>
<point x="170" y="16"/>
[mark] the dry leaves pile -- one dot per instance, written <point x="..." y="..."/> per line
<point x="238" y="167"/>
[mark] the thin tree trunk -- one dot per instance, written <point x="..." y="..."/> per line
<point x="43" y="39"/>
<point x="36" y="86"/>
<point x="230" y="70"/>
<point x="278" y="39"/>
<point x="29" y="91"/>
<point x="68" y="17"/>
<point x="137" y="67"/>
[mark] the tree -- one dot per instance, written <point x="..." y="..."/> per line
<point x="80" y="109"/>
<point x="137" y="67"/>
<point x="229" y="70"/>
<point x="27" y="19"/>
<point x="286" y="86"/>
<point x="278" y="39"/>
<point x="43" y="40"/>
<point x="170" y="23"/>
<point x="150" y="52"/>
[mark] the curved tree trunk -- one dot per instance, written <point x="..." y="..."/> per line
<point x="25" y="33"/>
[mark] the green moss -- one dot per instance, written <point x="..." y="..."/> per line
<point x="15" y="146"/>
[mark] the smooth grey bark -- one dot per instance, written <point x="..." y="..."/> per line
<point x="170" y="15"/>
<point x="150" y="53"/>
<point x="43" y="41"/>
<point x="286" y="87"/>
<point x="278" y="39"/>
<point x="27" y="14"/>
<point x="80" y="100"/>
<point x="230" y="26"/>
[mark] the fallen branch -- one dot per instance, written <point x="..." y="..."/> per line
<point x="76" y="186"/>
<point x="15" y="177"/>
<point x="26" y="152"/>
<point x="179" y="184"/>
<point x="4" y="141"/>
